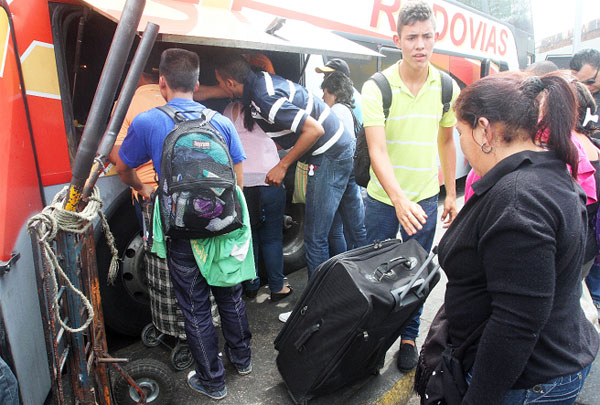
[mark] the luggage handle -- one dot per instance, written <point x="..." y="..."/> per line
<point x="387" y="269"/>
<point x="400" y="293"/>
<point x="299" y="344"/>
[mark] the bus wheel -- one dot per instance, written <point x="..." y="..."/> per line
<point x="293" y="238"/>
<point x="126" y="304"/>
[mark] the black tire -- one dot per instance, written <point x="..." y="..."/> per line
<point x="152" y="376"/>
<point x="293" y="238"/>
<point x="126" y="304"/>
<point x="293" y="228"/>
<point x="181" y="357"/>
<point x="150" y="336"/>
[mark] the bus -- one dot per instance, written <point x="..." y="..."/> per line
<point x="51" y="56"/>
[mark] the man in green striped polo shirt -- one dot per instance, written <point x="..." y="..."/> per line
<point x="404" y="185"/>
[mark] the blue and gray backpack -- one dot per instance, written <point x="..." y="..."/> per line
<point x="197" y="190"/>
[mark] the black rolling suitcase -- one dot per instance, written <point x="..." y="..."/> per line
<point x="351" y="312"/>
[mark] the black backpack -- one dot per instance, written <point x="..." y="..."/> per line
<point x="362" y="161"/>
<point x="197" y="190"/>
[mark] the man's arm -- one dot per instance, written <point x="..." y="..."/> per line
<point x="205" y="92"/>
<point x="129" y="177"/>
<point x="239" y="174"/>
<point x="410" y="214"/>
<point x="311" y="132"/>
<point x="447" y="152"/>
<point x="113" y="157"/>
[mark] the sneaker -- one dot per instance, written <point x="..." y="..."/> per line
<point x="285" y="316"/>
<point x="244" y="370"/>
<point x="408" y="356"/>
<point x="194" y="383"/>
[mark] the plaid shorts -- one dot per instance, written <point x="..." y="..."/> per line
<point x="166" y="315"/>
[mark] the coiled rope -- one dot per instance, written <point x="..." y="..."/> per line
<point x="54" y="218"/>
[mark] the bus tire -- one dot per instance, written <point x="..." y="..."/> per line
<point x="125" y="303"/>
<point x="293" y="238"/>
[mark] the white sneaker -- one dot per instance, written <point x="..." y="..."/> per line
<point x="284" y="316"/>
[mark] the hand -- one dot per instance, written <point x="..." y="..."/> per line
<point x="411" y="216"/>
<point x="146" y="192"/>
<point x="450" y="211"/>
<point x="276" y="175"/>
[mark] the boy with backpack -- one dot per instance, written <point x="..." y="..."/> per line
<point x="403" y="188"/>
<point x="178" y="78"/>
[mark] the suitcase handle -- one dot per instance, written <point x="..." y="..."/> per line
<point x="299" y="344"/>
<point x="400" y="293"/>
<point x="387" y="269"/>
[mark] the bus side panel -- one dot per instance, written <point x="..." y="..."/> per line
<point x="19" y="199"/>
<point x="34" y="38"/>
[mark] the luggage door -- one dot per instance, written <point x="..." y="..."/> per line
<point x="20" y="197"/>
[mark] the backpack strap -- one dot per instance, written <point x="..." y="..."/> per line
<point x="208" y="114"/>
<point x="179" y="117"/>
<point x="446" y="90"/>
<point x="386" y="91"/>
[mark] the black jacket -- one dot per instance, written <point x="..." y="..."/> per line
<point x="513" y="257"/>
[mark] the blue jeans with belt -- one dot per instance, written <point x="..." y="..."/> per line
<point x="331" y="187"/>
<point x="192" y="292"/>
<point x="382" y="223"/>
<point x="558" y="391"/>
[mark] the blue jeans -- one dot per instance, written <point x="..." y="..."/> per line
<point x="268" y="237"/>
<point x="558" y="391"/>
<point x="9" y="388"/>
<point x="593" y="283"/>
<point x="383" y="224"/>
<point x="337" y="240"/>
<point x="193" y="296"/>
<point x="331" y="188"/>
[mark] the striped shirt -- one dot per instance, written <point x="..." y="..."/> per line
<point x="280" y="108"/>
<point x="411" y="132"/>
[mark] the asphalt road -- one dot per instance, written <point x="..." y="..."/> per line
<point x="264" y="384"/>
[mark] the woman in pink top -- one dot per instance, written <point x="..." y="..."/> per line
<point x="266" y="203"/>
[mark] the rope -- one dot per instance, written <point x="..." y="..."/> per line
<point x="54" y="218"/>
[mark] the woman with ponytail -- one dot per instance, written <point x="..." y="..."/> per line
<point x="514" y="253"/>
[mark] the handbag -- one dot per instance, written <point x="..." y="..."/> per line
<point x="440" y="374"/>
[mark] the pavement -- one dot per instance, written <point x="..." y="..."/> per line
<point x="265" y="386"/>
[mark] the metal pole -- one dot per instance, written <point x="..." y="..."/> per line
<point x="577" y="27"/>
<point x="103" y="99"/>
<point x="127" y="91"/>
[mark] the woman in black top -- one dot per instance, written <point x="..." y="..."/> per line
<point x="513" y="255"/>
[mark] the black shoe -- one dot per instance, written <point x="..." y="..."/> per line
<point x="275" y="297"/>
<point x="250" y="293"/>
<point x="408" y="356"/>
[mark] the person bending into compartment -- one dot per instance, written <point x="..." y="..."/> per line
<point x="295" y="119"/>
<point x="404" y="185"/>
<point x="268" y="202"/>
<point x="513" y="255"/>
<point x="178" y="77"/>
<point x="337" y="94"/>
